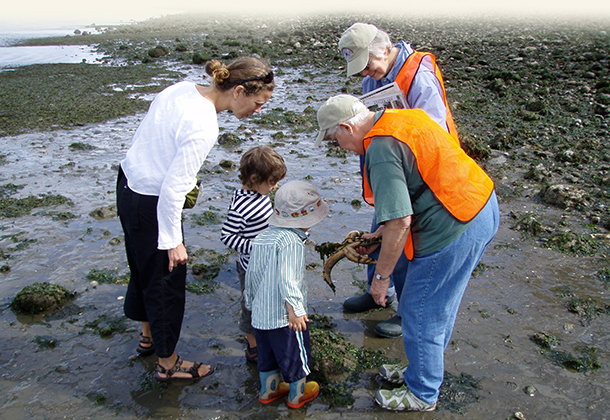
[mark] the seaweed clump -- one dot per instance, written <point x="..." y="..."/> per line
<point x="17" y="207"/>
<point x="204" y="274"/>
<point x="583" y="361"/>
<point x="206" y="283"/>
<point x="107" y="276"/>
<point x="106" y="325"/>
<point x="458" y="391"/>
<point x="336" y="363"/>
<point x="40" y="297"/>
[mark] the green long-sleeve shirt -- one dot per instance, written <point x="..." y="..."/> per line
<point x="275" y="277"/>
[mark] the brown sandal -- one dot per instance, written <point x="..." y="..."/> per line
<point x="193" y="371"/>
<point x="145" y="351"/>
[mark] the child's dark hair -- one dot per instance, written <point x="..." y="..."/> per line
<point x="261" y="164"/>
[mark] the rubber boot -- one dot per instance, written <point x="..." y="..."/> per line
<point x="301" y="392"/>
<point x="271" y="387"/>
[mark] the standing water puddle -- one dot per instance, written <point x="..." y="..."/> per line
<point x="520" y="292"/>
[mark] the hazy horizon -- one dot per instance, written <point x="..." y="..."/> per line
<point x="44" y="14"/>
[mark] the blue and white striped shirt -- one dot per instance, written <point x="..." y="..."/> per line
<point x="275" y="276"/>
<point x="248" y="215"/>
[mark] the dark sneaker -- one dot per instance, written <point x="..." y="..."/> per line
<point x="364" y="303"/>
<point x="392" y="328"/>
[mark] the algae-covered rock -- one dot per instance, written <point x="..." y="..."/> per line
<point x="564" y="196"/>
<point x="229" y="140"/>
<point x="40" y="297"/>
<point x="158" y="51"/>
<point x="333" y="356"/>
<point x="227" y="164"/>
<point x="106" y="212"/>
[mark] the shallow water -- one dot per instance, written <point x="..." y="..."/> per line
<point x="86" y="376"/>
<point x="25" y="56"/>
<point x="13" y="55"/>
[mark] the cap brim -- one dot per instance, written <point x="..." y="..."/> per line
<point x="357" y="63"/>
<point x="301" y="222"/>
<point x="319" y="139"/>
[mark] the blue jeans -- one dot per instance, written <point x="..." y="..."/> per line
<point x="400" y="269"/>
<point x="433" y="289"/>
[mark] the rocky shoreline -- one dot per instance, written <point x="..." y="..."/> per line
<point x="531" y="100"/>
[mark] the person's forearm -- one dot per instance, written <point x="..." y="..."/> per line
<point x="395" y="235"/>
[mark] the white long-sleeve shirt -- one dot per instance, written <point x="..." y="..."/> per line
<point x="168" y="149"/>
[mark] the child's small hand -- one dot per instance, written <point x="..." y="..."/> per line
<point x="296" y="323"/>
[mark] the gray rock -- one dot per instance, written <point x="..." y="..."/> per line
<point x="564" y="196"/>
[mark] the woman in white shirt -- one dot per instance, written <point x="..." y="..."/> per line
<point x="160" y="168"/>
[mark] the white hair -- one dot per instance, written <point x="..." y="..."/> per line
<point x="361" y="112"/>
<point x="380" y="45"/>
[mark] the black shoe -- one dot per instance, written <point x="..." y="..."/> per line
<point x="392" y="328"/>
<point x="364" y="303"/>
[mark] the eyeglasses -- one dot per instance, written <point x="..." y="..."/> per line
<point x="266" y="78"/>
<point x="334" y="143"/>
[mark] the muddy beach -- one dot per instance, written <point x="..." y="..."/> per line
<point x="531" y="102"/>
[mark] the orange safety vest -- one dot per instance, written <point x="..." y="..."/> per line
<point x="405" y="79"/>
<point x="456" y="180"/>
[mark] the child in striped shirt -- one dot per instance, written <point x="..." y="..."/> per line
<point x="276" y="292"/>
<point x="260" y="169"/>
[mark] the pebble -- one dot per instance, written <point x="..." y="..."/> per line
<point x="530" y="390"/>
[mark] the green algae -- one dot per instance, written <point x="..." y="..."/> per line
<point x="40" y="297"/>
<point x="587" y="309"/>
<point x="297" y="121"/>
<point x="573" y="243"/>
<point x="205" y="271"/>
<point x="21" y="244"/>
<point x="107" y="276"/>
<point x="229" y="140"/>
<point x="583" y="361"/>
<point x="106" y="325"/>
<point x="9" y="189"/>
<point x="604" y="276"/>
<point x="18" y="207"/>
<point x="45" y="343"/>
<point x="207" y="217"/>
<point x="57" y="96"/>
<point x="457" y="392"/>
<point x="62" y="216"/>
<point x="204" y="274"/>
<point x="81" y="146"/>
<point x="529" y="225"/>
<point x="336" y="363"/>
<point x="202" y="286"/>
<point x="545" y="340"/>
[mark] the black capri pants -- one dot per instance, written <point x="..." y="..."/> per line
<point x="154" y="294"/>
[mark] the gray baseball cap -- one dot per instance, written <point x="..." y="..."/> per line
<point x="334" y="111"/>
<point x="354" y="46"/>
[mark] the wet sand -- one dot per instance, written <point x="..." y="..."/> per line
<point x="522" y="288"/>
